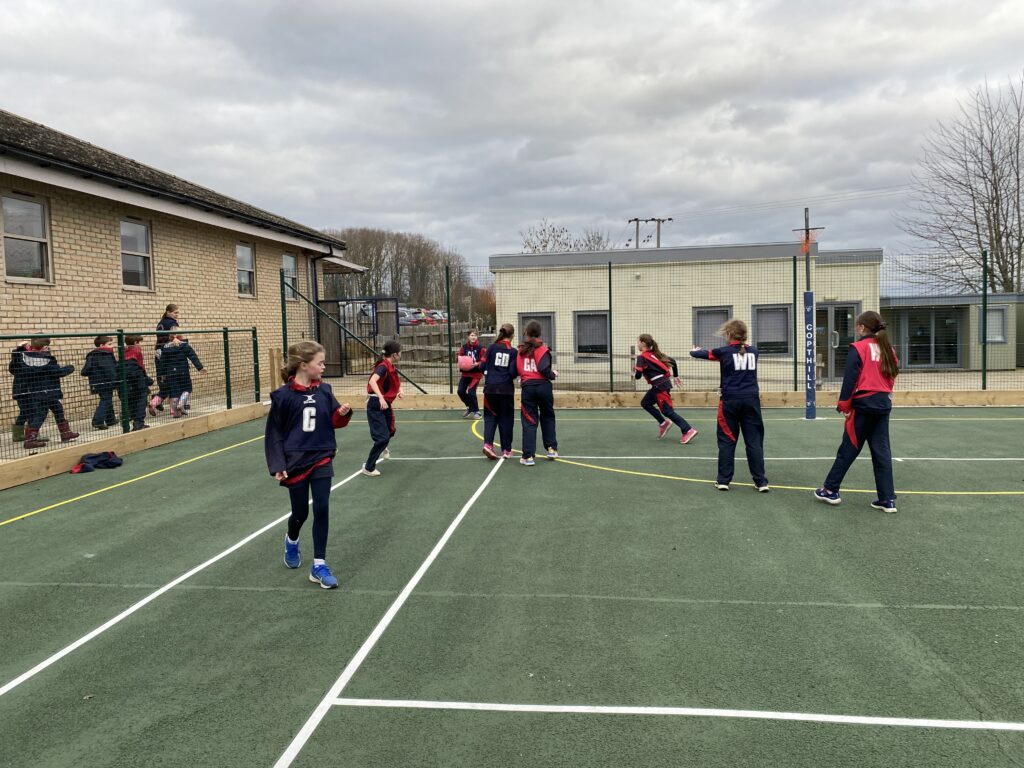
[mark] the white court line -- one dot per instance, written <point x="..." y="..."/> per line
<point x="324" y="706"/>
<point x="144" y="602"/>
<point x="478" y="457"/>
<point x="749" y="714"/>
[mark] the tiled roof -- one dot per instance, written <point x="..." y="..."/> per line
<point x="45" y="145"/>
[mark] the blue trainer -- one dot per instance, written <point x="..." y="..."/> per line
<point x="321" y="574"/>
<point x="292" y="556"/>
<point x="886" y="506"/>
<point x="829" y="497"/>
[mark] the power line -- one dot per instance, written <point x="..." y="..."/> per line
<point x="770" y="205"/>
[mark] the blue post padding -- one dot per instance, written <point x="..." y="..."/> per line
<point x="809" y="369"/>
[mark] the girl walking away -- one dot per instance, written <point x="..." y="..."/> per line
<point x="100" y="370"/>
<point x="138" y="382"/>
<point x="300" y="447"/>
<point x="866" y="402"/>
<point x="175" y="358"/>
<point x="654" y="365"/>
<point x="167" y="323"/>
<point x="470" y="353"/>
<point x="533" y="364"/>
<point x="500" y="368"/>
<point x="382" y="389"/>
<point x="739" y="407"/>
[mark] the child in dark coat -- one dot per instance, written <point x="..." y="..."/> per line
<point x="175" y="358"/>
<point x="21" y="392"/>
<point x="138" y="382"/>
<point x="40" y="373"/>
<point x="101" y="371"/>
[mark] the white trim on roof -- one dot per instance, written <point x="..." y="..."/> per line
<point x="65" y="180"/>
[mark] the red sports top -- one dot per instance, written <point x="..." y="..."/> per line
<point x="527" y="364"/>
<point x="389" y="383"/>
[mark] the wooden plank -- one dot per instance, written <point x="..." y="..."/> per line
<point x="55" y="462"/>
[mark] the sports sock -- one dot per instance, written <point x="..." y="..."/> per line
<point x="319" y="561"/>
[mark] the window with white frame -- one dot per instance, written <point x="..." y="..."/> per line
<point x="245" y="264"/>
<point x="706" y="322"/>
<point x="996" y="330"/>
<point x="136" y="256"/>
<point x="289" y="264"/>
<point x="26" y="242"/>
<point x="591" y="332"/>
<point x="773" y="329"/>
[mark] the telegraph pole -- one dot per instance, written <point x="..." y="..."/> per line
<point x="638" y="222"/>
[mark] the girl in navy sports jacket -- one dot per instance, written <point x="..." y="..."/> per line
<point x="500" y="370"/>
<point x="653" y="365"/>
<point x="866" y="402"/>
<point x="739" y="406"/>
<point x="300" y="447"/>
<point x="470" y="377"/>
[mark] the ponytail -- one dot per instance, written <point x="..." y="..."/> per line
<point x="532" y="340"/>
<point x="876" y="328"/>
<point x="652" y="347"/>
<point x="505" y="332"/>
<point x="300" y="353"/>
<point x="735" y="330"/>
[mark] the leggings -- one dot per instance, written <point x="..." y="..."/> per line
<point x="660" y="398"/>
<point x="299" y="495"/>
<point x="500" y="417"/>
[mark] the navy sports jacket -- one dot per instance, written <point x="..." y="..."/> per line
<point x="300" y="428"/>
<point x="739" y="371"/>
<point x="499" y="367"/>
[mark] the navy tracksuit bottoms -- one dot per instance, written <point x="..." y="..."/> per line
<point x="538" y="407"/>
<point x="658" y="403"/>
<point x="735" y="416"/>
<point x="500" y="417"/>
<point x="382" y="429"/>
<point x="871" y="427"/>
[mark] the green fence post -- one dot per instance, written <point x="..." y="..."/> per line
<point x="984" y="320"/>
<point x="448" y="308"/>
<point x="122" y="383"/>
<point x="227" y="368"/>
<point x="611" y="358"/>
<point x="255" y="364"/>
<point x="284" y="319"/>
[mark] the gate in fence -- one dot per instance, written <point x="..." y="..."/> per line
<point x="371" y="320"/>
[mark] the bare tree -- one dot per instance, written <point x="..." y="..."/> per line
<point x="548" y="237"/>
<point x="968" y="195"/>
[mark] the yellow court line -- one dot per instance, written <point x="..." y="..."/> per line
<point x="781" y="487"/>
<point x="127" y="482"/>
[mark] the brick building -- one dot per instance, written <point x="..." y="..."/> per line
<point x="92" y="240"/>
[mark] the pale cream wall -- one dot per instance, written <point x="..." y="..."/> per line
<point x="660" y="298"/>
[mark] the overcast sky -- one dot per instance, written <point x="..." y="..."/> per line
<point x="469" y="121"/>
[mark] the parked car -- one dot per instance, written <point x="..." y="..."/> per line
<point x="409" y="317"/>
<point x="438" y="315"/>
<point x="428" y="318"/>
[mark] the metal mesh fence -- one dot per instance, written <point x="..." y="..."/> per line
<point x="73" y="391"/>
<point x="954" y="328"/>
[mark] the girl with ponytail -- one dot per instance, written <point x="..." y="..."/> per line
<point x="533" y="364"/>
<point x="653" y="365"/>
<point x="500" y="367"/>
<point x="739" y="406"/>
<point x="300" y="447"/>
<point x="866" y="401"/>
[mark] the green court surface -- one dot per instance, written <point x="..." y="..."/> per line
<point x="607" y="609"/>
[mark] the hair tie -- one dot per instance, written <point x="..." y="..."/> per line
<point x="881" y="326"/>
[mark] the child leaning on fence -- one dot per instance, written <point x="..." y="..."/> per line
<point x="39" y="372"/>
<point x="100" y="370"/>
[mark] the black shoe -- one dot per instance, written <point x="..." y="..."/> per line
<point x="99" y="426"/>
<point x="137" y="427"/>
<point x="160" y="407"/>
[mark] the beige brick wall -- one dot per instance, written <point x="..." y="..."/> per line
<point x="193" y="266"/>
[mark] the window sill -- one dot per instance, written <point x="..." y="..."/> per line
<point x="248" y="296"/>
<point x="28" y="281"/>
<point x="137" y="289"/>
